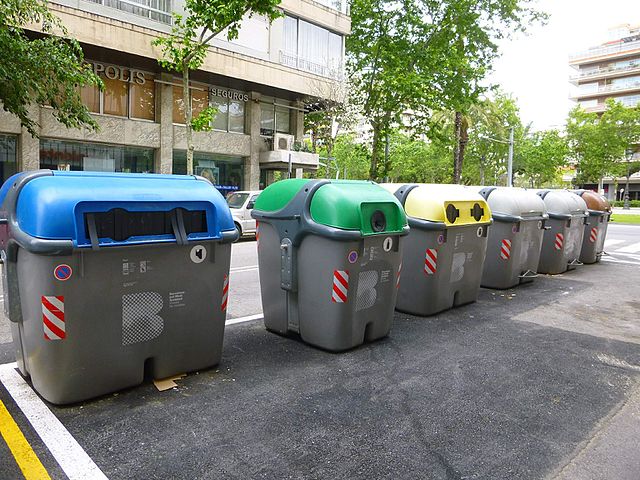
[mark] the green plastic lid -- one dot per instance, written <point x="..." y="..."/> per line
<point x="343" y="204"/>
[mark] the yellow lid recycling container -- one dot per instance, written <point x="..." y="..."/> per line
<point x="443" y="255"/>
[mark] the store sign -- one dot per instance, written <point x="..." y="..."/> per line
<point x="230" y="94"/>
<point x="113" y="72"/>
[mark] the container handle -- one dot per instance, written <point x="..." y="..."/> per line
<point x="529" y="274"/>
<point x="575" y="263"/>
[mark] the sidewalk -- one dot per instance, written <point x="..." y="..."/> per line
<point x="631" y="211"/>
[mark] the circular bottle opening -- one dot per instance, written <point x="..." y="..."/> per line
<point x="378" y="221"/>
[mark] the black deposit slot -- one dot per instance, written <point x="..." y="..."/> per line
<point x="477" y="212"/>
<point x="452" y="213"/>
<point x="119" y="224"/>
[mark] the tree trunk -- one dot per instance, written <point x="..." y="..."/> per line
<point x="373" y="170"/>
<point x="457" y="150"/>
<point x="464" y="140"/>
<point x="188" y="116"/>
<point x="482" y="162"/>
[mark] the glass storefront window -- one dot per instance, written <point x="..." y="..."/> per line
<point x="8" y="156"/>
<point x="59" y="155"/>
<point x="230" y="116"/>
<point x="127" y="93"/>
<point x="199" y="100"/>
<point x="225" y="172"/>
<point x="274" y="118"/>
<point x="267" y="119"/>
<point x="116" y="94"/>
<point x="236" y="116"/>
<point x="143" y="99"/>
<point x="282" y="119"/>
<point x="221" y="119"/>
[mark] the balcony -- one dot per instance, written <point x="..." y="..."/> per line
<point x="341" y="6"/>
<point x="157" y="10"/>
<point x="627" y="87"/>
<point x="300" y="63"/>
<point x="602" y="73"/>
<point x="279" y="160"/>
<point x="619" y="49"/>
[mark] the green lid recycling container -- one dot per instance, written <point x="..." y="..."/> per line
<point x="329" y="254"/>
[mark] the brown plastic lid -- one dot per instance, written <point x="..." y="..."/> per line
<point x="595" y="201"/>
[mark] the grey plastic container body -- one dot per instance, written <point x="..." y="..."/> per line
<point x="560" y="256"/>
<point x="595" y="232"/>
<point x="458" y="268"/>
<point x="309" y="310"/>
<point x="123" y="307"/>
<point x="513" y="253"/>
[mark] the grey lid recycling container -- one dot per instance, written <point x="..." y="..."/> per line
<point x="443" y="255"/>
<point x="329" y="254"/>
<point x="565" y="228"/>
<point x="515" y="238"/>
<point x="595" y="228"/>
<point x="107" y="276"/>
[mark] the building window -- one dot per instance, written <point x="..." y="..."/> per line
<point x="8" y="156"/>
<point x="225" y="172"/>
<point x="127" y="93"/>
<point x="230" y="106"/>
<point x="59" y="155"/>
<point x="309" y="47"/>
<point x="158" y="10"/>
<point x="275" y="116"/>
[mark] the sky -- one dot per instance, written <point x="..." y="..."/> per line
<point x="534" y="66"/>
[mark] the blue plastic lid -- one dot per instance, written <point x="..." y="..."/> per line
<point x="54" y="206"/>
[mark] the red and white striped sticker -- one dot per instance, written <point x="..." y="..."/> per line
<point x="593" y="235"/>
<point x="257" y="233"/>
<point x="340" y="290"/>
<point x="559" y="241"/>
<point x="53" y="317"/>
<point x="505" y="249"/>
<point x="398" y="276"/>
<point x="225" y="293"/>
<point x="430" y="261"/>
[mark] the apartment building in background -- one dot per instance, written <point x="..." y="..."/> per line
<point x="610" y="70"/>
<point x="260" y="83"/>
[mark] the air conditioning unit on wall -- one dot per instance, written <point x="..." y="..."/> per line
<point x="282" y="141"/>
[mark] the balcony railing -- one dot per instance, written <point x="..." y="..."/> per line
<point x="603" y="71"/>
<point x="158" y="10"/>
<point x="610" y="88"/>
<point x="294" y="61"/>
<point x="600" y="51"/>
<point x="341" y="6"/>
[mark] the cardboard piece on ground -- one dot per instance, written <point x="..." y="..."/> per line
<point x="168" y="383"/>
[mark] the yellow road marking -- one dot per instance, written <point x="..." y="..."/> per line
<point x="26" y="458"/>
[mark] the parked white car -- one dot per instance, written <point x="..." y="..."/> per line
<point x="241" y="204"/>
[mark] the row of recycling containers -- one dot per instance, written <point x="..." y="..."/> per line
<point x="108" y="277"/>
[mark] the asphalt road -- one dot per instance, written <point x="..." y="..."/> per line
<point x="540" y="381"/>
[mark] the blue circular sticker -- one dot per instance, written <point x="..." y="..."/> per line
<point x="440" y="239"/>
<point x="63" y="272"/>
<point x="353" y="256"/>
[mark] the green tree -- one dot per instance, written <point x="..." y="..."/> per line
<point x="185" y="48"/>
<point x="42" y="71"/>
<point x="542" y="154"/>
<point x="423" y="55"/>
<point x="598" y="143"/>
<point x="351" y="157"/>
<point x="417" y="160"/>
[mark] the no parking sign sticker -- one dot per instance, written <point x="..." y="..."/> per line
<point x="63" y="272"/>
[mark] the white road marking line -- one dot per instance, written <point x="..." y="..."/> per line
<point x="611" y="243"/>
<point x="248" y="318"/>
<point x="616" y="260"/>
<point x="634" y="248"/>
<point x="250" y="268"/>
<point x="73" y="460"/>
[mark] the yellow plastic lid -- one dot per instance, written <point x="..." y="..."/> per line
<point x="453" y="205"/>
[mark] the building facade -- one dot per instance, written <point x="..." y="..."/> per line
<point x="258" y="82"/>
<point x="610" y="70"/>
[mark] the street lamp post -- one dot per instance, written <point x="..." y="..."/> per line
<point x="628" y="153"/>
